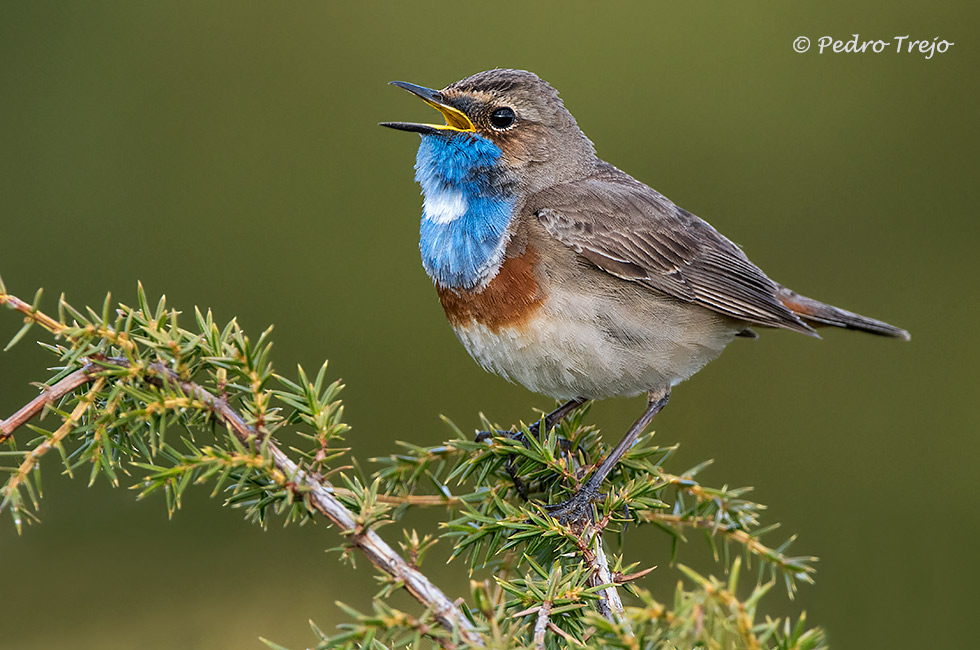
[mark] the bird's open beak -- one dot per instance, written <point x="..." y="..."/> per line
<point x="456" y="120"/>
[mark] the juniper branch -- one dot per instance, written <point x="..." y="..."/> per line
<point x="11" y="489"/>
<point x="611" y="603"/>
<point x="541" y="624"/>
<point x="752" y="544"/>
<point x="320" y="494"/>
<point x="49" y="395"/>
<point x="594" y="554"/>
<point x="726" y="598"/>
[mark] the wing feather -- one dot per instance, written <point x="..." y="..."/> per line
<point x="633" y="232"/>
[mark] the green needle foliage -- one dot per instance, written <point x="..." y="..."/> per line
<point x="137" y="399"/>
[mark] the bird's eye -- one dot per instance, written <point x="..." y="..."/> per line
<point x="502" y="117"/>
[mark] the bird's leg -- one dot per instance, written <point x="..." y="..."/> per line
<point x="577" y="508"/>
<point x="550" y="420"/>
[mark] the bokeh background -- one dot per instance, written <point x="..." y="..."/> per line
<point x="228" y="155"/>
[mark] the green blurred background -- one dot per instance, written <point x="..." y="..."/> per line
<point x="228" y="155"/>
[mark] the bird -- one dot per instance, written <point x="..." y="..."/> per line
<point x="564" y="274"/>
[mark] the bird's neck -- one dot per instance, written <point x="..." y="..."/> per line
<point x="468" y="206"/>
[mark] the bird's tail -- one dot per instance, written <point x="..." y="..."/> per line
<point x="818" y="314"/>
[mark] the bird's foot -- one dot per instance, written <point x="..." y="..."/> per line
<point x="578" y="509"/>
<point x="519" y="436"/>
<point x="487" y="436"/>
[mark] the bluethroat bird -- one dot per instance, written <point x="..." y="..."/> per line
<point x="564" y="274"/>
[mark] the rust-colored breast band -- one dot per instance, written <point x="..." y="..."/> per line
<point x="508" y="300"/>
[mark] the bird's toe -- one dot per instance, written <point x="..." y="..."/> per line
<point x="578" y="509"/>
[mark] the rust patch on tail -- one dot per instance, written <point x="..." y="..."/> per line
<point x="508" y="300"/>
<point x="800" y="305"/>
<point x="797" y="308"/>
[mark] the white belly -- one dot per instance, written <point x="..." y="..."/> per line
<point x="578" y="346"/>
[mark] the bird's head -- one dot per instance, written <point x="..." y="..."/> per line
<point x="517" y="112"/>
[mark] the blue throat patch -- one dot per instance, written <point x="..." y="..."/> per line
<point x="466" y="211"/>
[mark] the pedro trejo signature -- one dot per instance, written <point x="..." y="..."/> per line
<point x="856" y="45"/>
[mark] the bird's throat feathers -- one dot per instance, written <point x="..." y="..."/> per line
<point x="468" y="206"/>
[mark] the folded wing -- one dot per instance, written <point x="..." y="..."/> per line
<point x="633" y="232"/>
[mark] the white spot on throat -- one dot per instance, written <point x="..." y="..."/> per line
<point x="443" y="205"/>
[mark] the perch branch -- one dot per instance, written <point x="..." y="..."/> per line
<point x="611" y="605"/>
<point x="541" y="624"/>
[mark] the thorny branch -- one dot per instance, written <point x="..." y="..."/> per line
<point x="54" y="441"/>
<point x="49" y="395"/>
<point x="707" y="523"/>
<point x="322" y="496"/>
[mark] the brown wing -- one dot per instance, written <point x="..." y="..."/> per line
<point x="635" y="233"/>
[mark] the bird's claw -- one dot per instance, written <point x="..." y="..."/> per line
<point x="487" y="436"/>
<point x="578" y="509"/>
